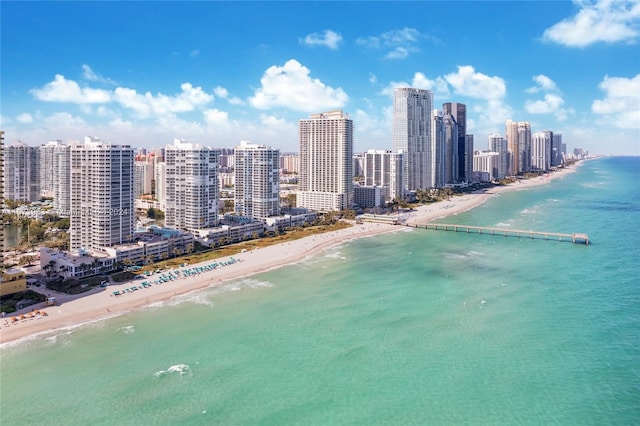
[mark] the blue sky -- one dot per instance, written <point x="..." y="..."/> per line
<point x="144" y="73"/>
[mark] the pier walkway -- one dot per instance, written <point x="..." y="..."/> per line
<point x="554" y="236"/>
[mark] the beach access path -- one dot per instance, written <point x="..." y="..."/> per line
<point x="101" y="303"/>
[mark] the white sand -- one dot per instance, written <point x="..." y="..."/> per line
<point x="101" y="303"/>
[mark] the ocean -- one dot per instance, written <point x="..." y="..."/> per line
<point x="411" y="328"/>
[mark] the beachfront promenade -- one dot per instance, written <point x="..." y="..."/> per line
<point x="554" y="236"/>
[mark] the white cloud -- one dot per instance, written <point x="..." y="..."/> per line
<point x="215" y="117"/>
<point x="290" y="86"/>
<point x="89" y="74"/>
<point x="543" y="83"/>
<point x="607" y="21"/>
<point x="621" y="105"/>
<point x="552" y="101"/>
<point x="223" y="93"/>
<point x="328" y="38"/>
<point x="63" y="90"/>
<point x="24" y="118"/>
<point x="64" y="121"/>
<point x="467" y="82"/>
<point x="398" y="43"/>
<point x="148" y="104"/>
<point x="549" y="104"/>
<point x="438" y="86"/>
<point x="220" y="92"/>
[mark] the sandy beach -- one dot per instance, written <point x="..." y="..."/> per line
<point x="102" y="303"/>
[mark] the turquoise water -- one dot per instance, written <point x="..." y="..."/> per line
<point x="417" y="327"/>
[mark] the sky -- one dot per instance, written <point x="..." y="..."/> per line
<point x="215" y="73"/>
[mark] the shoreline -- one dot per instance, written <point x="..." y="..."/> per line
<point x="101" y="303"/>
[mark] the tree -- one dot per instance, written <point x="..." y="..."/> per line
<point x="190" y="247"/>
<point x="289" y="200"/>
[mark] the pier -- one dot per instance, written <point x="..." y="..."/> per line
<point x="576" y="238"/>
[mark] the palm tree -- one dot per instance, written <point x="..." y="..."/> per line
<point x="190" y="247"/>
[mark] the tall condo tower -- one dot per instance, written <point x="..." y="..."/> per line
<point x="384" y="169"/>
<point x="46" y="159"/>
<point x="191" y="186"/>
<point x="326" y="162"/>
<point x="541" y="150"/>
<point x="101" y="183"/>
<point x="499" y="144"/>
<point x="412" y="110"/>
<point x="463" y="156"/>
<point x="21" y="172"/>
<point x="62" y="180"/>
<point x="257" y="187"/>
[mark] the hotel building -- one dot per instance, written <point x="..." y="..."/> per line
<point x="326" y="162"/>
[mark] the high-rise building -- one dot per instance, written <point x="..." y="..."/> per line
<point x="191" y="185"/>
<point x="62" y="180"/>
<point x="326" y="162"/>
<point x="290" y="163"/>
<point x="462" y="155"/>
<point x="412" y="112"/>
<point x="160" y="172"/>
<point x="519" y="141"/>
<point x="438" y="135"/>
<point x="450" y="149"/>
<point x="143" y="177"/>
<point x="499" y="144"/>
<point x="541" y="150"/>
<point x="101" y="183"/>
<point x="556" y="150"/>
<point x="384" y="169"/>
<point x="21" y="172"/>
<point x="485" y="166"/>
<point x="257" y="183"/>
<point x="524" y="146"/>
<point x="47" y="176"/>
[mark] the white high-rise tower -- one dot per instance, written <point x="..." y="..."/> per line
<point x="257" y="180"/>
<point x="191" y="186"/>
<point x="326" y="162"/>
<point x="101" y="182"/>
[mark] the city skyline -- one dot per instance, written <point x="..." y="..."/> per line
<point x="113" y="70"/>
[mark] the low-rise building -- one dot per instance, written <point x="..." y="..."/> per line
<point x="13" y="280"/>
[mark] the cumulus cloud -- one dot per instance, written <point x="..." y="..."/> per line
<point x="543" y="83"/>
<point x="552" y="101"/>
<point x="328" y="38"/>
<point x="607" y="21"/>
<point x="215" y="117"/>
<point x="148" y="104"/>
<point x="467" y="82"/>
<point x="438" y="86"/>
<point x="399" y="44"/>
<point x="63" y="90"/>
<point x="621" y="105"/>
<point x="290" y="86"/>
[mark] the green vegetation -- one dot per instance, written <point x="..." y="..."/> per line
<point x="9" y="303"/>
<point x="155" y="213"/>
